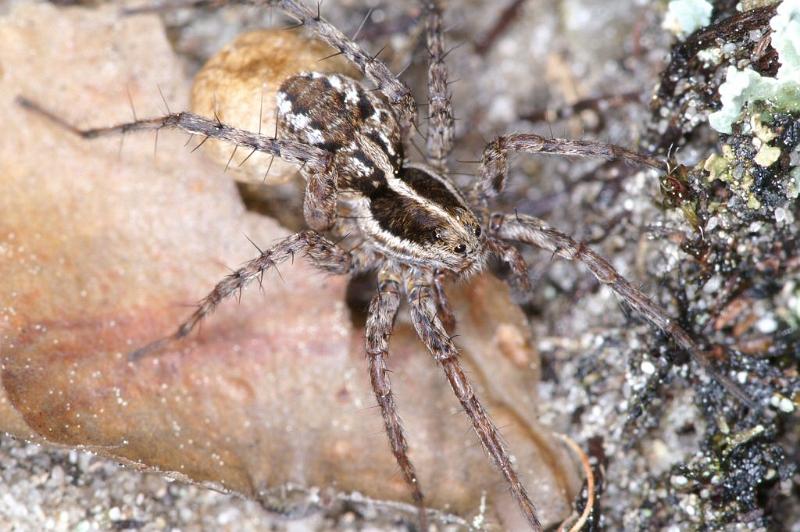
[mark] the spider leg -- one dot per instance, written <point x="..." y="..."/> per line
<point x="373" y="68"/>
<point x="494" y="164"/>
<point x="432" y="333"/>
<point x="296" y="152"/>
<point x="530" y="230"/>
<point x="322" y="253"/>
<point x="382" y="314"/>
<point x="519" y="280"/>
<point x="319" y="204"/>
<point x="440" y="119"/>
<point x="443" y="304"/>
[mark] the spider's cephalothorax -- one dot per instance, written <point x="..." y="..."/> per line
<point x="413" y="224"/>
<point x="407" y="212"/>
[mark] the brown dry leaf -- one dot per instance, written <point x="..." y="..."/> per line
<point x="101" y="247"/>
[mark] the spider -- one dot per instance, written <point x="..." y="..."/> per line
<point x="414" y="227"/>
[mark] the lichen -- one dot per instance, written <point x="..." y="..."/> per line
<point x="734" y="172"/>
<point x="745" y="87"/>
<point x="759" y="163"/>
<point x="767" y="155"/>
<point x="685" y="16"/>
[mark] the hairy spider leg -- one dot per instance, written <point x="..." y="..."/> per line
<point x="519" y="279"/>
<point x="321" y="252"/>
<point x="442" y="303"/>
<point x="319" y="203"/>
<point x="440" y="112"/>
<point x="430" y="330"/>
<point x="530" y="230"/>
<point x="373" y="68"/>
<point x="380" y="322"/>
<point x="494" y="163"/>
<point x="290" y="151"/>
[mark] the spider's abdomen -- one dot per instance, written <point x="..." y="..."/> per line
<point x="335" y="113"/>
<point x="407" y="212"/>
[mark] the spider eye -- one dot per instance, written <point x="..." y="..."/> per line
<point x="461" y="248"/>
<point x="477" y="230"/>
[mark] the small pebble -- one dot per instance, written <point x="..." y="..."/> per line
<point x="679" y="480"/>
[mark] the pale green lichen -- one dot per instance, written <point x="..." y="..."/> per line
<point x="760" y="129"/>
<point x="786" y="37"/>
<point x="718" y="166"/>
<point x="753" y="202"/>
<point x="782" y="92"/>
<point x="737" y="176"/>
<point x="767" y="155"/>
<point x="685" y="16"/>
<point x="737" y="171"/>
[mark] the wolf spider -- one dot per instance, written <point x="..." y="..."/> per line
<point x="413" y="225"/>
